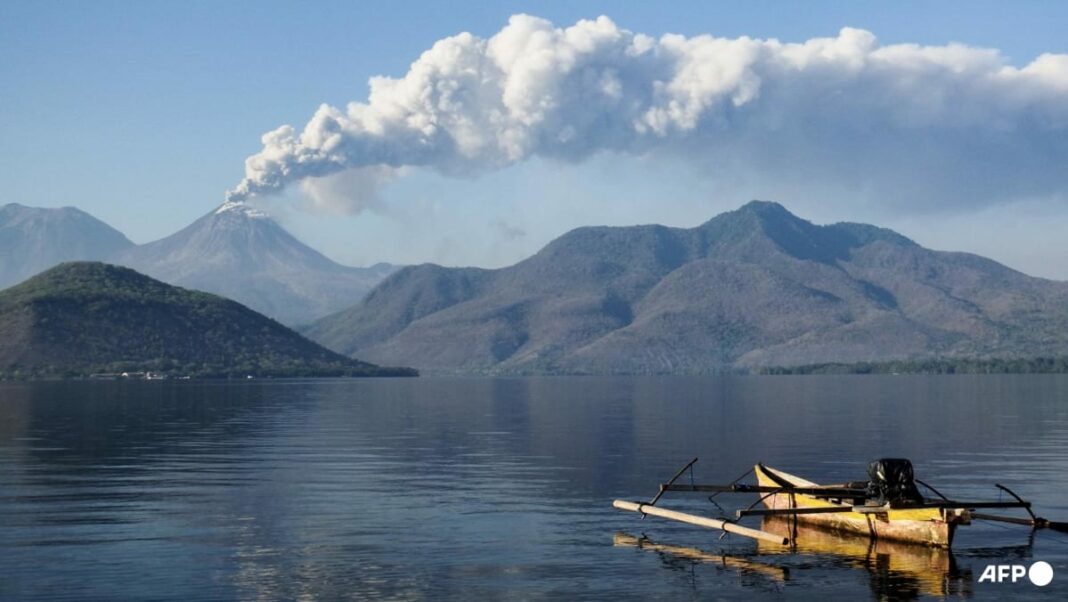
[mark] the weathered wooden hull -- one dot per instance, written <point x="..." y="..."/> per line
<point x="927" y="526"/>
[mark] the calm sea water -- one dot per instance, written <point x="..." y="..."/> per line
<point x="500" y="488"/>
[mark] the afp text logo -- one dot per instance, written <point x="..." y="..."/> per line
<point x="1040" y="573"/>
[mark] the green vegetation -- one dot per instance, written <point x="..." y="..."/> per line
<point x="1039" y="365"/>
<point x="80" y="319"/>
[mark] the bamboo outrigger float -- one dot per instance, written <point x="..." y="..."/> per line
<point x="888" y="506"/>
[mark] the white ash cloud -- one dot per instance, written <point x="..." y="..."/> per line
<point x="916" y="125"/>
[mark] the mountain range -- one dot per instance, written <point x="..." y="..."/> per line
<point x="757" y="286"/>
<point x="235" y="251"/>
<point x="81" y="318"/>
<point x="33" y="240"/>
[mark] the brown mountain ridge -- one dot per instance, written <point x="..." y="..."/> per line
<point x="753" y="287"/>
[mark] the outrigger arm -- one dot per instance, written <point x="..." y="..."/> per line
<point x="701" y="521"/>
<point x="835" y="491"/>
<point x="867" y="509"/>
<point x="1035" y="522"/>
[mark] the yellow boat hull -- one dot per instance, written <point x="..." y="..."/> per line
<point x="927" y="526"/>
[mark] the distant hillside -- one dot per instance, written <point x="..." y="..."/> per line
<point x="749" y="288"/>
<point x="1031" y="365"/>
<point x="34" y="239"/>
<point x="241" y="253"/>
<point x="84" y="318"/>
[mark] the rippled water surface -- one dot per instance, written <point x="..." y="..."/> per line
<point x="500" y="488"/>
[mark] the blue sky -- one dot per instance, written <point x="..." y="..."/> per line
<point x="143" y="113"/>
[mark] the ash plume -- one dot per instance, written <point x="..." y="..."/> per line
<point x="943" y="125"/>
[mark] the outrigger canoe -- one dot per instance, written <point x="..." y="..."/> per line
<point x="887" y="506"/>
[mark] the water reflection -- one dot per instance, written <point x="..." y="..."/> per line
<point x="896" y="570"/>
<point x="672" y="554"/>
<point x="479" y="488"/>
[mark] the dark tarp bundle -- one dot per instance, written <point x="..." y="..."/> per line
<point x="892" y="480"/>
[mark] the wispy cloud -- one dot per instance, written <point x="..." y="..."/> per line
<point x="913" y="125"/>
